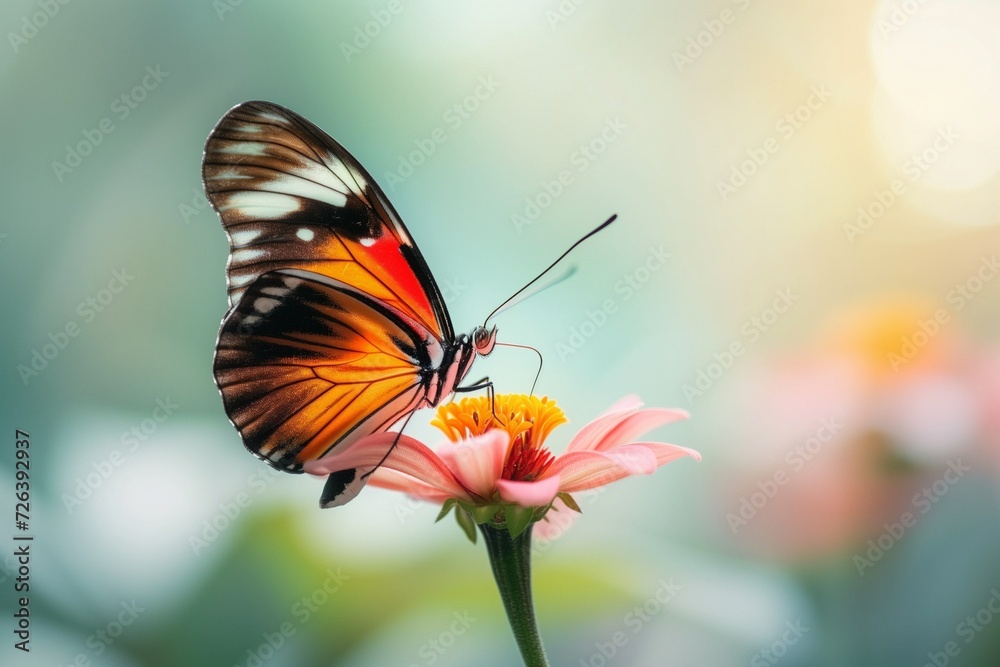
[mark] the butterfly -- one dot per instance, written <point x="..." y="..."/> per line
<point x="336" y="329"/>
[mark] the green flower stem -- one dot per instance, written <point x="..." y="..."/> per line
<point x="511" y="562"/>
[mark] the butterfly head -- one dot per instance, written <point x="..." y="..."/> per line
<point x="484" y="340"/>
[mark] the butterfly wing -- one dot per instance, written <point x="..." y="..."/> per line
<point x="290" y="197"/>
<point x="305" y="362"/>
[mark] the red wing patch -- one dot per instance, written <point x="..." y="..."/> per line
<point x="290" y="197"/>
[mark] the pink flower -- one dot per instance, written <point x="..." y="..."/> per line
<point x="495" y="462"/>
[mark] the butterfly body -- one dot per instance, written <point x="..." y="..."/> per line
<point x="336" y="328"/>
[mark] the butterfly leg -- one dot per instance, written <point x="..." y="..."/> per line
<point x="395" y="442"/>
<point x="486" y="384"/>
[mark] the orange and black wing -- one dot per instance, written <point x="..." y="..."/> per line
<point x="290" y="197"/>
<point x="305" y="362"/>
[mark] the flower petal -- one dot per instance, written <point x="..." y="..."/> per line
<point x="617" y="428"/>
<point x="396" y="481"/>
<point x="665" y="452"/>
<point x="639" y="424"/>
<point x="409" y="456"/>
<point x="589" y="469"/>
<point x="478" y="461"/>
<point x="626" y="402"/>
<point x="536" y="493"/>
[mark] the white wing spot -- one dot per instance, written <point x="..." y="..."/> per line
<point x="261" y="205"/>
<point x="305" y="234"/>
<point x="312" y="182"/>
<point x="275" y="118"/>
<point x="362" y="183"/>
<point x="241" y="280"/>
<point x="368" y="243"/>
<point x="244" y="236"/>
<point x="246" y="255"/>
<point x="243" y="148"/>
<point x="264" y="305"/>
<point x="230" y="175"/>
<point x="279" y="292"/>
<point x="292" y="283"/>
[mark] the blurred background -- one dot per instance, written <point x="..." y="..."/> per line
<point x="806" y="259"/>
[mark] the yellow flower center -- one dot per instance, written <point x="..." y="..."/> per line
<point x="528" y="420"/>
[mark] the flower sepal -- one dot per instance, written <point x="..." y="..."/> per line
<point x="569" y="501"/>
<point x="499" y="514"/>
<point x="518" y="518"/>
<point x="467" y="524"/>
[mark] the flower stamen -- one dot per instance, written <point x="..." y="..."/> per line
<point x="527" y="419"/>
<point x="524" y="462"/>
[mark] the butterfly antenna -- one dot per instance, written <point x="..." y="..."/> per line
<point x="550" y="266"/>
<point x="565" y="275"/>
